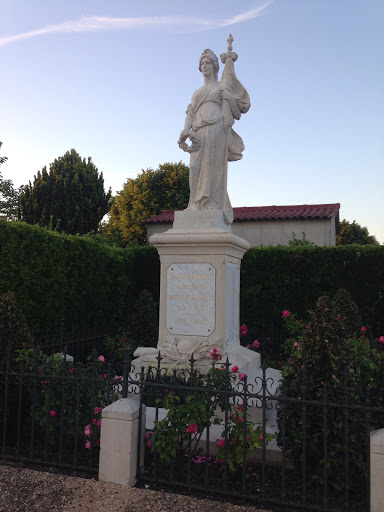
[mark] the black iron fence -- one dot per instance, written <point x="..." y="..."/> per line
<point x="219" y="433"/>
<point x="270" y="446"/>
<point x="79" y="343"/>
<point x="50" y="408"/>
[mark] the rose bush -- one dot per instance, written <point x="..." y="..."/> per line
<point x="187" y="417"/>
<point x="92" y="430"/>
<point x="329" y="356"/>
<point x="240" y="433"/>
<point x="68" y="394"/>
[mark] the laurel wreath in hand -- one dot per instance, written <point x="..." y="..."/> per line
<point x="194" y="138"/>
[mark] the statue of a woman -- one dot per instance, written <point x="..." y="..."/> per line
<point x="208" y="124"/>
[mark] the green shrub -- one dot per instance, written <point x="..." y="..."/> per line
<point x="144" y="322"/>
<point x="277" y="278"/>
<point x="14" y="331"/>
<point x="330" y="359"/>
<point x="66" y="397"/>
<point x="63" y="278"/>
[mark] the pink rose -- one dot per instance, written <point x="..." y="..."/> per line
<point x="381" y="339"/>
<point x="52" y="414"/>
<point x="101" y="358"/>
<point x="192" y="429"/>
<point x="215" y="354"/>
<point x="99" y="423"/>
<point x="94" y="420"/>
<point x="235" y="369"/>
<point x="71" y="371"/>
<point x="97" y="442"/>
<point x="88" y="430"/>
<point x="363" y="329"/>
<point x="242" y="376"/>
<point x="286" y="313"/>
<point x="88" y="445"/>
<point x="243" y="330"/>
<point x="255" y="344"/>
<point x="96" y="410"/>
<point x="261" y="438"/>
<point x="148" y="444"/>
<point x="221" y="443"/>
<point x="248" y="346"/>
<point x="240" y="419"/>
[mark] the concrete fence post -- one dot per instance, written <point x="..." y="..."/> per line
<point x="118" y="442"/>
<point x="377" y="471"/>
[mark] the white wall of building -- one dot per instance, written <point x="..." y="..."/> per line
<point x="320" y="232"/>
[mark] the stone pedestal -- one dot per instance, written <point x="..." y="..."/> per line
<point x="377" y="470"/>
<point x="199" y="292"/>
<point x="119" y="441"/>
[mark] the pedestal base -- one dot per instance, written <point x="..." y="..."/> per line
<point x="199" y="293"/>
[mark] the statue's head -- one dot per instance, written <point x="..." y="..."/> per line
<point x="212" y="57"/>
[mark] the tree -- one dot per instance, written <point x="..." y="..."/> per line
<point x="354" y="234"/>
<point x="70" y="197"/>
<point x="2" y="158"/>
<point x="151" y="192"/>
<point x="9" y="199"/>
<point x="9" y="196"/>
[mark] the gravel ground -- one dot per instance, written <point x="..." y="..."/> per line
<point x="28" y="490"/>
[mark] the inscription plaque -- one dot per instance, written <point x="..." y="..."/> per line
<point x="233" y="298"/>
<point x="191" y="299"/>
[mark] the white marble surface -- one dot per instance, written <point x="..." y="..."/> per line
<point x="190" y="221"/>
<point x="233" y="298"/>
<point x="213" y="110"/>
<point x="191" y="290"/>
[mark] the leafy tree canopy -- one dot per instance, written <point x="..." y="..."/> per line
<point x="9" y="196"/>
<point x="70" y="197"/>
<point x="297" y="242"/>
<point x="151" y="192"/>
<point x="2" y="158"/>
<point x="353" y="233"/>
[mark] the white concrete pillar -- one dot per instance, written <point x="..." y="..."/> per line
<point x="377" y="471"/>
<point x="118" y="442"/>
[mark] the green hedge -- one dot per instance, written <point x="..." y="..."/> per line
<point x="63" y="278"/>
<point x="278" y="278"/>
<point x="72" y="279"/>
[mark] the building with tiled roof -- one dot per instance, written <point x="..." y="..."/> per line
<point x="272" y="225"/>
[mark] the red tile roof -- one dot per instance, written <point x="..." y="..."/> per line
<point x="303" y="211"/>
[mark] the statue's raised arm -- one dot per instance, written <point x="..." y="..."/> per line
<point x="208" y="124"/>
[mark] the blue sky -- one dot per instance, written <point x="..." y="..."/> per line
<point x="113" y="80"/>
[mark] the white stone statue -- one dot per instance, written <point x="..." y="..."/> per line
<point x="210" y="116"/>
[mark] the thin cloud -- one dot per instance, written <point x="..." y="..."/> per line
<point x="101" y="23"/>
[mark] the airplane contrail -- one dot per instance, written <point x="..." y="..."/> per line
<point x="102" y="23"/>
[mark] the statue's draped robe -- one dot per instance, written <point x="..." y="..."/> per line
<point x="212" y="121"/>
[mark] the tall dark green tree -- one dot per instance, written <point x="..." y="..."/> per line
<point x="167" y="188"/>
<point x="70" y="197"/>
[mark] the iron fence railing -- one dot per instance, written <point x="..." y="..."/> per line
<point x="46" y="405"/>
<point x="79" y="343"/>
<point x="319" y="458"/>
<point x="310" y="446"/>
